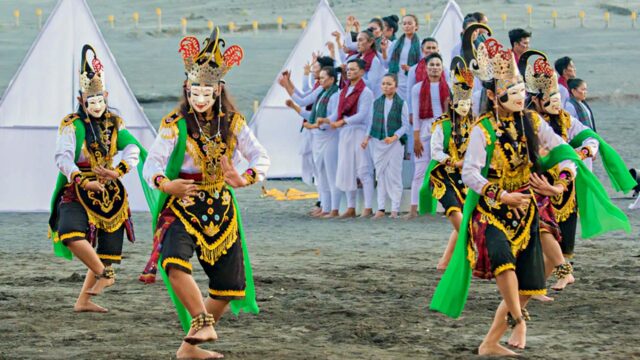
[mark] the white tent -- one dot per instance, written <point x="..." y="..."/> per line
<point x="41" y="93"/>
<point x="447" y="32"/>
<point x="275" y="125"/>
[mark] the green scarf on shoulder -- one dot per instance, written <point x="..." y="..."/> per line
<point x="248" y="303"/>
<point x="426" y="202"/>
<point x="124" y="138"/>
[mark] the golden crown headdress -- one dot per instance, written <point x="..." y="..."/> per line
<point x="540" y="77"/>
<point x="462" y="80"/>
<point x="91" y="73"/>
<point x="489" y="60"/>
<point x="209" y="65"/>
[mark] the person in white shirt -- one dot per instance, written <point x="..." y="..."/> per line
<point x="429" y="99"/>
<point x="352" y="117"/>
<point x="388" y="126"/>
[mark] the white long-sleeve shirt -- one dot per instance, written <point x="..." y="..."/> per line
<point x="306" y="98"/>
<point x="388" y="103"/>
<point x="424" y="125"/>
<point x="247" y="147"/>
<point x="476" y="156"/>
<point x="66" y="148"/>
<point x="362" y="116"/>
<point x="437" y="145"/>
<point x="332" y="109"/>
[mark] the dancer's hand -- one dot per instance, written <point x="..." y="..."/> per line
<point x="405" y="67"/>
<point x="384" y="46"/>
<point x="307" y="69"/>
<point x="365" y="142"/>
<point x="293" y="105"/>
<point x="518" y="202"/>
<point x="180" y="188"/>
<point x="390" y="139"/>
<point x="231" y="176"/>
<point x="542" y="186"/>
<point x="105" y="173"/>
<point x="95" y="186"/>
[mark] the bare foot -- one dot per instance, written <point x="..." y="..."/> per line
<point x="518" y="337"/>
<point x="542" y="298"/>
<point x="187" y="351"/>
<point x="410" y="216"/>
<point x="495" y="350"/>
<point x="332" y="214"/>
<point x="206" y="334"/>
<point x="350" y="213"/>
<point x="570" y="279"/>
<point x="379" y="214"/>
<point x="315" y="212"/>
<point x="100" y="285"/>
<point x="88" y="306"/>
<point x="321" y="214"/>
<point x="394" y="215"/>
<point x="366" y="213"/>
<point x="562" y="283"/>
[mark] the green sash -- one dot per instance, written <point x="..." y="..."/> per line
<point x="597" y="214"/>
<point x="620" y="178"/>
<point x="453" y="288"/>
<point x="248" y="303"/>
<point x="427" y="203"/>
<point x="124" y="138"/>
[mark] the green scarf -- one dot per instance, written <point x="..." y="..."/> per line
<point x="620" y="178"/>
<point x="583" y="114"/>
<point x="394" y="119"/>
<point x="320" y="109"/>
<point x="124" y="138"/>
<point x="412" y="59"/>
<point x="453" y="288"/>
<point x="598" y="215"/>
<point x="248" y="303"/>
<point x="427" y="203"/>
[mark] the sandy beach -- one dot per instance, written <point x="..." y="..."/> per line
<point x="327" y="289"/>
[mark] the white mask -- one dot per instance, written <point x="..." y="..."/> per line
<point x="201" y="98"/>
<point x="462" y="107"/>
<point x="516" y="96"/>
<point x="554" y="104"/>
<point x="96" y="105"/>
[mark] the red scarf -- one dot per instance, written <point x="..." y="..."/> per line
<point x="368" y="59"/>
<point x="562" y="81"/>
<point x="348" y="105"/>
<point x="426" y="111"/>
<point x="421" y="72"/>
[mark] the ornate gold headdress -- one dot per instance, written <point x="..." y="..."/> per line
<point x="209" y="65"/>
<point x="91" y="74"/>
<point x="489" y="61"/>
<point x="462" y="80"/>
<point x="540" y="78"/>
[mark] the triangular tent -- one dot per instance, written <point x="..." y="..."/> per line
<point x="276" y="126"/>
<point x="447" y="32"/>
<point x="41" y="93"/>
